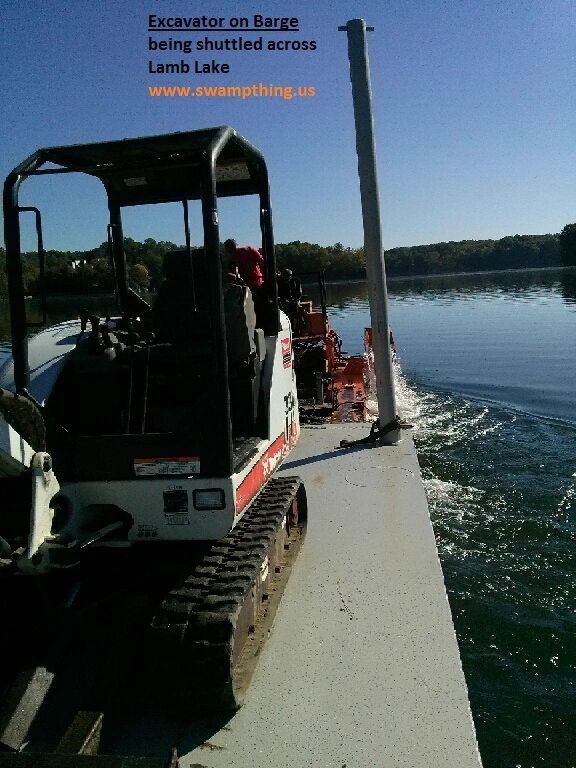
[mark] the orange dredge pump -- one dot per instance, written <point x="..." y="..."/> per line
<point x="332" y="386"/>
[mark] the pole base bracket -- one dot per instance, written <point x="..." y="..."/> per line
<point x="377" y="432"/>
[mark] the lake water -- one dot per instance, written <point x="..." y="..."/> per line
<point x="489" y="368"/>
<point x="489" y="376"/>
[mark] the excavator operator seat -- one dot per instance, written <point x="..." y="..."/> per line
<point x="240" y="323"/>
<point x="244" y="360"/>
<point x="182" y="333"/>
<point x="172" y="313"/>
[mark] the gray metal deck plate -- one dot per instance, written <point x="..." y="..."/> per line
<point x="362" y="668"/>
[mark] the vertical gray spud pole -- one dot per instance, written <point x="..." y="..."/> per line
<point x="373" y="244"/>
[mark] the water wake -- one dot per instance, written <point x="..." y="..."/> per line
<point x="501" y="488"/>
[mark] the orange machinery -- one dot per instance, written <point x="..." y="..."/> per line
<point x="331" y="384"/>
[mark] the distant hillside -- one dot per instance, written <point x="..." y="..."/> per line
<point x="513" y="252"/>
<point x="89" y="271"/>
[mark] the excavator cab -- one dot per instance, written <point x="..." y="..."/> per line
<point x="165" y="419"/>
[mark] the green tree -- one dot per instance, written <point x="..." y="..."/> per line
<point x="568" y="245"/>
<point x="138" y="277"/>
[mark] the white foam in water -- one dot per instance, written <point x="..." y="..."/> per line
<point x="441" y="421"/>
<point x="566" y="502"/>
<point x="407" y="399"/>
<point x="439" y="416"/>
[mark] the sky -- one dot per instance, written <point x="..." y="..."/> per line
<point x="474" y="114"/>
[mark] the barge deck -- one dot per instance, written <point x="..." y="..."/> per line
<point x="362" y="667"/>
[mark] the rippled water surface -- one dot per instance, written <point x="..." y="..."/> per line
<point x="489" y="371"/>
<point x="489" y="376"/>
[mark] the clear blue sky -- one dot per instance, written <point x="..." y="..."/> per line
<point x="474" y="111"/>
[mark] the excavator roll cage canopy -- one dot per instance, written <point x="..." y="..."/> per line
<point x="201" y="165"/>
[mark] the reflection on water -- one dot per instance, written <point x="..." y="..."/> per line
<point x="496" y="283"/>
<point x="568" y="285"/>
<point x="516" y="283"/>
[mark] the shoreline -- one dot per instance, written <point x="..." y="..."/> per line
<point x="395" y="278"/>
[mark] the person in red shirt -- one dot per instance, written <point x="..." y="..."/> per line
<point x="248" y="261"/>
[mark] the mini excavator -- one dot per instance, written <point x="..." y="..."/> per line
<point x="139" y="447"/>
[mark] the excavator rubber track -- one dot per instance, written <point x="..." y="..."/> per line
<point x="206" y="635"/>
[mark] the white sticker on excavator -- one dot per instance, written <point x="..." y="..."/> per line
<point x="182" y="465"/>
<point x="176" y="507"/>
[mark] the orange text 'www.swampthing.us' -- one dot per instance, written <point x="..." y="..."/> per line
<point x="255" y="91"/>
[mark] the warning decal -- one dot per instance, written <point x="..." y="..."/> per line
<point x="178" y="465"/>
<point x="176" y="507"/>
<point x="286" y="352"/>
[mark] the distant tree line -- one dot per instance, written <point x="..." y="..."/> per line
<point x="515" y="252"/>
<point x="90" y="271"/>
